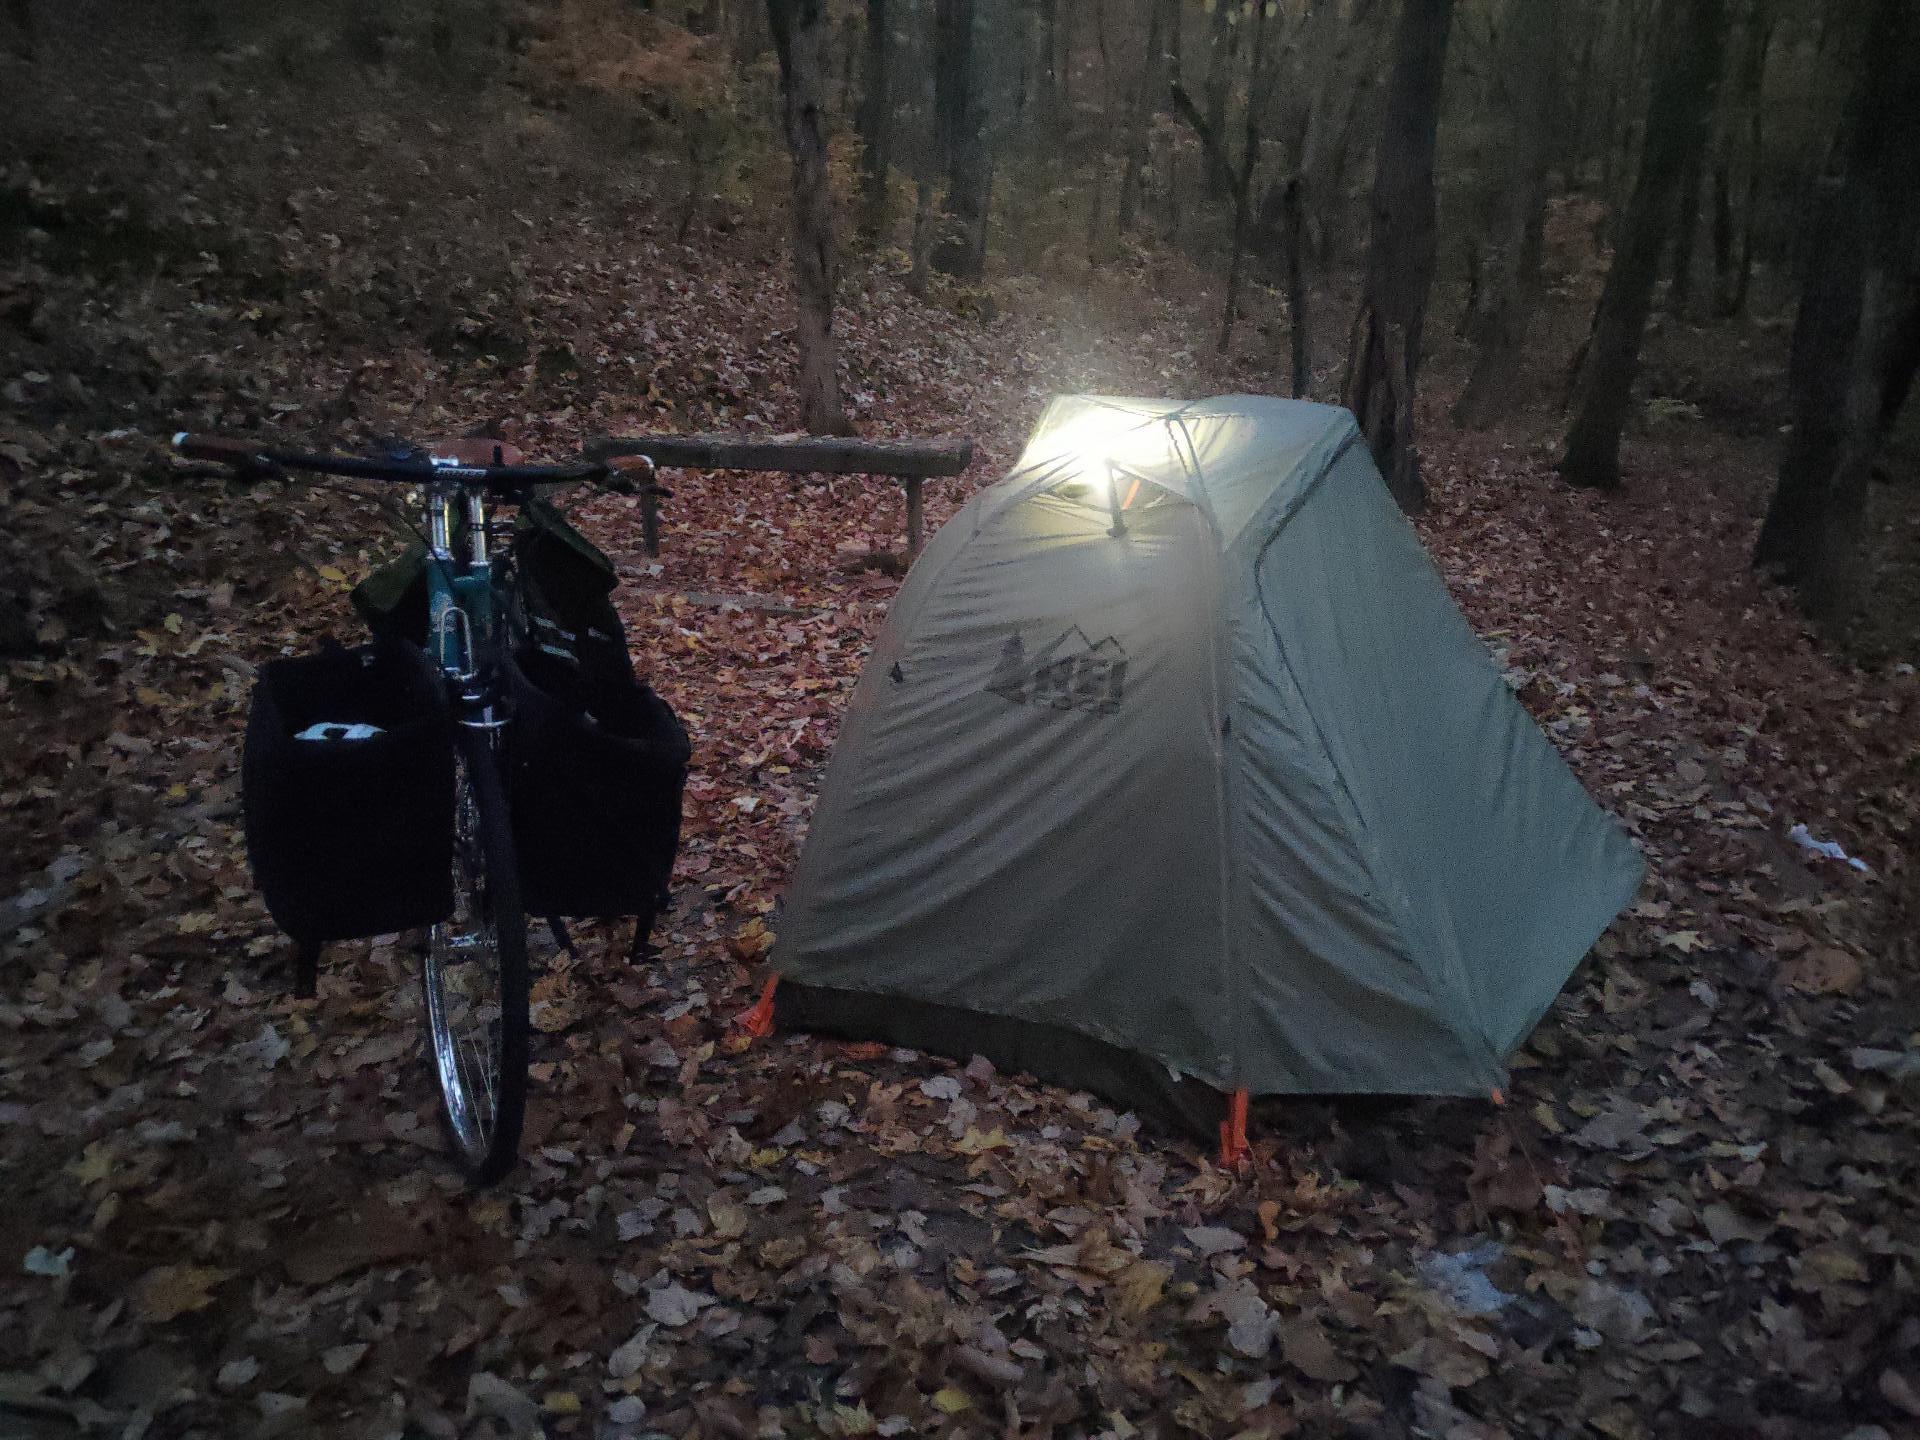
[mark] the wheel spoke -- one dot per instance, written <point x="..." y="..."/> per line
<point x="467" y="999"/>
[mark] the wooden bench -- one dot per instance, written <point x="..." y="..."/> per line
<point x="911" y="462"/>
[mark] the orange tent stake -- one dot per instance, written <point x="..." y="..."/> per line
<point x="1234" y="1150"/>
<point x="758" y="1022"/>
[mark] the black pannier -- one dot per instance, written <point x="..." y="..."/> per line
<point x="561" y="600"/>
<point x="393" y="599"/>
<point x="347" y="785"/>
<point x="596" y="763"/>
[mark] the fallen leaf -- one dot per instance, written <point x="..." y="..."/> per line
<point x="488" y="1394"/>
<point x="1212" y="1240"/>
<point x="675" y="1305"/>
<point x="632" y="1354"/>
<point x="1138" y="1288"/>
<point x="1725" y="1225"/>
<point x="1502" y="1179"/>
<point x="729" y="1218"/>
<point x="353" y="1241"/>
<point x="1900" y="1392"/>
<point x="173" y="1290"/>
<point x="1825" y="970"/>
<point x="1305" y="1346"/>
<point x="976" y="1142"/>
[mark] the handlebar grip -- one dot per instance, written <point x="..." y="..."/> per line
<point x="216" y="447"/>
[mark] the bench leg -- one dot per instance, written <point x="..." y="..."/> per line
<point x="650" y="522"/>
<point x="915" y="517"/>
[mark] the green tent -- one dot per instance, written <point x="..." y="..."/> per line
<point x="1175" y="773"/>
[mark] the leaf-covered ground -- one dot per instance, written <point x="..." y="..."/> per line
<point x="223" y="1212"/>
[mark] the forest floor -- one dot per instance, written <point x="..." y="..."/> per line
<point x="224" y="1212"/>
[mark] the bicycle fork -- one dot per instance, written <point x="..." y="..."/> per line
<point x="467" y="593"/>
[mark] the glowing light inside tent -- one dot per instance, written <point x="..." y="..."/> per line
<point x="1089" y="446"/>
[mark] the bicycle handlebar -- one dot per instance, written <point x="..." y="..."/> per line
<point x="418" y="468"/>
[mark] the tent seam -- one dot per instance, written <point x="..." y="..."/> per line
<point x="1363" y="839"/>
<point x="1223" y="790"/>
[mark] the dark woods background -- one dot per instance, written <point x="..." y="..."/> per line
<point x="1686" y="146"/>
<point x="1543" y="249"/>
<point x="1345" y="186"/>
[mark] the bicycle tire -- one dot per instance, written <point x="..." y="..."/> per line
<point x="483" y="1084"/>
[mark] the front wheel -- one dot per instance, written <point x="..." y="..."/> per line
<point x="476" y="973"/>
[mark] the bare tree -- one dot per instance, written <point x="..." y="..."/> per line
<point x="961" y="122"/>
<point x="1343" y="62"/>
<point x="1234" y="182"/>
<point x="20" y="12"/>
<point x="1163" y="17"/>
<point x="1053" y="99"/>
<point x="1223" y="43"/>
<point x="799" y="30"/>
<point x="1293" y="239"/>
<point x="1856" y="341"/>
<point x="1734" y="276"/>
<point x="1510" y="281"/>
<point x="876" y="120"/>
<point x="1677" y="115"/>
<point x="1686" y="230"/>
<point x="1384" y="357"/>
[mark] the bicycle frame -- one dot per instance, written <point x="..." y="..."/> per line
<point x="460" y="600"/>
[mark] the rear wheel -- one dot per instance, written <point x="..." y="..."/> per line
<point x="476" y="974"/>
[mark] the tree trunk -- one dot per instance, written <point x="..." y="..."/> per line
<point x="1095" y="197"/>
<point x="1243" y="182"/>
<point x="1686" y="226"/>
<point x="1384" y="359"/>
<point x="799" y="39"/>
<point x="1292" y="206"/>
<point x="1693" y="178"/>
<point x="1153" y="85"/>
<point x="1573" y="157"/>
<point x="876" y="119"/>
<point x="1749" y="91"/>
<point x="1722" y="226"/>
<point x="24" y="37"/>
<point x="1856" y="340"/>
<point x="961" y="250"/>
<point x="1063" y="57"/>
<point x="921" y="246"/>
<point x="1222" y="50"/>
<point x="1529" y="55"/>
<point x="1677" y="113"/>
<point x="1052" y="106"/>
<point x="1341" y="93"/>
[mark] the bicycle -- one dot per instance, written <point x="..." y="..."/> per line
<point x="475" y="972"/>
